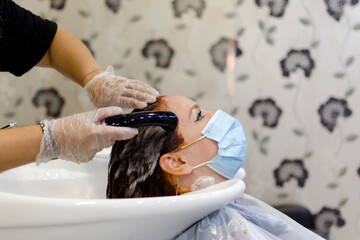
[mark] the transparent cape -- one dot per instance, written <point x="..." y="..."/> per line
<point x="247" y="218"/>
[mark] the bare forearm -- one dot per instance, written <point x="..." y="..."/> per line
<point x="69" y="56"/>
<point x="19" y="146"/>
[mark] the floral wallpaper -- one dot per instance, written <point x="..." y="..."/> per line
<point x="287" y="69"/>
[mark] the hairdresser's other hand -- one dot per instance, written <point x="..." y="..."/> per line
<point x="107" y="89"/>
<point x="79" y="137"/>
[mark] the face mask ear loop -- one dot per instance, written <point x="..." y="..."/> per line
<point x="201" y="164"/>
<point x="187" y="145"/>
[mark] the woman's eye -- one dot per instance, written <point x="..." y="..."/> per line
<point x="199" y="116"/>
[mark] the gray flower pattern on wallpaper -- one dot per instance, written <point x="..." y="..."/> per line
<point x="297" y="59"/>
<point x="268" y="110"/>
<point x="269" y="16"/>
<point x="182" y="6"/>
<point x="331" y="110"/>
<point x="277" y="7"/>
<point x="160" y="50"/>
<point x="326" y="218"/>
<point x="220" y="50"/>
<point x="51" y="100"/>
<point x="336" y="7"/>
<point x="289" y="169"/>
<point x="113" y="5"/>
<point x="57" y="4"/>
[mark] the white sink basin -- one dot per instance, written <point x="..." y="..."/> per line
<point x="63" y="200"/>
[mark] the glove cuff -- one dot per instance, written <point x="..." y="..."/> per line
<point x="109" y="71"/>
<point x="97" y="85"/>
<point x="48" y="149"/>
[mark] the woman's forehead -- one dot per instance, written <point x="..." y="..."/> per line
<point x="178" y="103"/>
<point x="183" y="108"/>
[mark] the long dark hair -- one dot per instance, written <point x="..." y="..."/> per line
<point x="134" y="169"/>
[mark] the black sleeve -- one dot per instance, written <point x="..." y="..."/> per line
<point x="24" y="38"/>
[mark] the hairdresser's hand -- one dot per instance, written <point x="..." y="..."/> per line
<point x="107" y="89"/>
<point x="79" y="137"/>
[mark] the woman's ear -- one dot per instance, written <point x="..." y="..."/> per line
<point x="172" y="163"/>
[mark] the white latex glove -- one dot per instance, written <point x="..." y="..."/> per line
<point x="107" y="89"/>
<point x="79" y="137"/>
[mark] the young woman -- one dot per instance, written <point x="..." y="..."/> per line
<point x="161" y="163"/>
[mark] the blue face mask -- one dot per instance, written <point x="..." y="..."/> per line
<point x="230" y="136"/>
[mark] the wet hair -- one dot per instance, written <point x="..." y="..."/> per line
<point x="134" y="169"/>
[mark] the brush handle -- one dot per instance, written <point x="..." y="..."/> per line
<point x="165" y="119"/>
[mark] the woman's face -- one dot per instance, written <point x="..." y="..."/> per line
<point x="192" y="120"/>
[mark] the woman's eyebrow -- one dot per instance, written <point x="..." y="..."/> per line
<point x="192" y="108"/>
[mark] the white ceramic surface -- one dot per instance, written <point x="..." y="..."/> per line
<point x="62" y="200"/>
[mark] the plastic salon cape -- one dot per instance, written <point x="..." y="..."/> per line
<point x="247" y="218"/>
